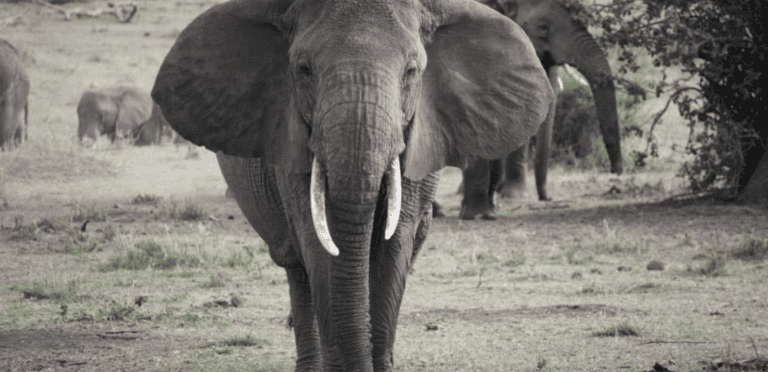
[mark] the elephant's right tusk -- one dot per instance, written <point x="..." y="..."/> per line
<point x="395" y="198"/>
<point x="317" y="190"/>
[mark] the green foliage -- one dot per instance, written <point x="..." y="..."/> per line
<point x="646" y="189"/>
<point x="22" y="232"/>
<point x="78" y="242"/>
<point x="621" y="330"/>
<point x="576" y="123"/>
<point x="49" y="289"/>
<point x="714" y="263"/>
<point x="146" y="199"/>
<point x="149" y="254"/>
<point x="516" y="258"/>
<point x="240" y="341"/>
<point x="720" y="48"/>
<point x="80" y="214"/>
<point x="117" y="313"/>
<point x="190" y="211"/>
<point x="752" y="250"/>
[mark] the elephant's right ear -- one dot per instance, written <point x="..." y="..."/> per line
<point x="484" y="92"/>
<point x="225" y="83"/>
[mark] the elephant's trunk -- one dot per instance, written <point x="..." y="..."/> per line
<point x="356" y="141"/>
<point x="593" y="64"/>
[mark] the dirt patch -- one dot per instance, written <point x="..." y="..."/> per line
<point x="481" y="315"/>
<point x="84" y="349"/>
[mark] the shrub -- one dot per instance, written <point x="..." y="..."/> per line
<point x="751" y="250"/>
<point x="576" y="123"/>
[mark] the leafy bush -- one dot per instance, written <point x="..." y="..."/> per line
<point x="576" y="123"/>
<point x="720" y="47"/>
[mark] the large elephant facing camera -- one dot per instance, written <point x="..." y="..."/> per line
<point x="14" y="91"/>
<point x="559" y="38"/>
<point x="334" y="118"/>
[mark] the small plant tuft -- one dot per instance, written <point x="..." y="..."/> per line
<point x="622" y="330"/>
<point x="49" y="290"/>
<point x="655" y="265"/>
<point x="238" y="341"/>
<point x="93" y="214"/>
<point x="148" y="254"/>
<point x="752" y="250"/>
<point x="190" y="211"/>
<point x="146" y="199"/>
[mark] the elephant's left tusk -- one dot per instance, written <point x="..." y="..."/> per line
<point x="317" y="202"/>
<point x="395" y="193"/>
<point x="574" y="75"/>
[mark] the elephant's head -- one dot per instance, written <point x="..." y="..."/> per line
<point x="560" y="38"/>
<point x="115" y="112"/>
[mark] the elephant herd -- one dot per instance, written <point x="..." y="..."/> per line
<point x="332" y="120"/>
<point x="120" y="113"/>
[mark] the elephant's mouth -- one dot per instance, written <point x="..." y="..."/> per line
<point x="317" y="188"/>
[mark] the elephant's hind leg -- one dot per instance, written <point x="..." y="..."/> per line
<point x="478" y="195"/>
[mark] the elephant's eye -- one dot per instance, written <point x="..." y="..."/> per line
<point x="304" y="70"/>
<point x="411" y="69"/>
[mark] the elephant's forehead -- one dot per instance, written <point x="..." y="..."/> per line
<point x="352" y="29"/>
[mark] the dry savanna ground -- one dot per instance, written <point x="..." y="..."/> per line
<point x="120" y="258"/>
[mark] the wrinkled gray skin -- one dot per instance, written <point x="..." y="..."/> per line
<point x="115" y="112"/>
<point x="14" y="90"/>
<point x="346" y="88"/>
<point x="558" y="39"/>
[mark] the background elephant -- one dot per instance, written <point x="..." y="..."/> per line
<point x="115" y="112"/>
<point x="334" y="118"/>
<point x="14" y="89"/>
<point x="154" y="131"/>
<point x="559" y="38"/>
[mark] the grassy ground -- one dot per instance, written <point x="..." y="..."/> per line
<point x="168" y="275"/>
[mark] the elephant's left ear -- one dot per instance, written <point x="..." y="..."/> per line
<point x="225" y="84"/>
<point x="484" y="92"/>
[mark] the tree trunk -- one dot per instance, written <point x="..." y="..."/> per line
<point x="756" y="190"/>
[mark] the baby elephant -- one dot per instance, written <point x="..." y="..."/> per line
<point x="123" y="112"/>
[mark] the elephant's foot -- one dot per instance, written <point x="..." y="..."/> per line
<point x="510" y="190"/>
<point x="486" y="212"/>
<point x="437" y="210"/>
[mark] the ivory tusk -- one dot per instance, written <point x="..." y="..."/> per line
<point x="395" y="195"/>
<point x="575" y="75"/>
<point x="319" y="219"/>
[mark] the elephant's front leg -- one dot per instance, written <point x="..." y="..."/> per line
<point x="254" y="186"/>
<point x="391" y="260"/>
<point x="303" y="321"/>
